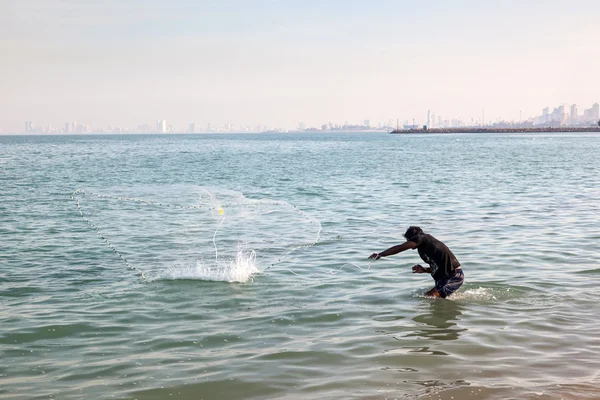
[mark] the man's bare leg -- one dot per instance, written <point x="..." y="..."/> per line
<point x="432" y="293"/>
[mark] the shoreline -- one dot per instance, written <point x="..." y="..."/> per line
<point x="500" y="130"/>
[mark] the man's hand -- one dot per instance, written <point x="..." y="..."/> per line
<point x="418" y="269"/>
<point x="374" y="256"/>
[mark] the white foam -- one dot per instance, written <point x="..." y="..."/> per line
<point x="239" y="270"/>
<point x="479" y="294"/>
<point x="474" y="294"/>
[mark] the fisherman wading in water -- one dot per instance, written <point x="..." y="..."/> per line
<point x="443" y="265"/>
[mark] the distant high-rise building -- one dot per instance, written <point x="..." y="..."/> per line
<point x="367" y="123"/>
<point x="562" y="115"/>
<point x="573" y="115"/>
<point x="208" y="128"/>
<point x="192" y="128"/>
<point x="429" y="118"/>
<point x="28" y="126"/>
<point x="67" y="128"/>
<point x="546" y="115"/>
<point x="555" y="116"/>
<point x="161" y="126"/>
<point x="596" y="112"/>
<point x="301" y="126"/>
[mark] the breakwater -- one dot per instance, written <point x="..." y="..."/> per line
<point x="500" y="130"/>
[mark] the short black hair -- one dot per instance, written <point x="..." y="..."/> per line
<point x="412" y="232"/>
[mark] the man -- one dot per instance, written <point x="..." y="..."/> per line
<point x="443" y="265"/>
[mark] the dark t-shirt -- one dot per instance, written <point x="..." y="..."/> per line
<point x="437" y="255"/>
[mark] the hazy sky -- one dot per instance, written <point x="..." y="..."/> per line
<point x="131" y="62"/>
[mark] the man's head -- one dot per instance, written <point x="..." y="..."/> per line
<point x="412" y="232"/>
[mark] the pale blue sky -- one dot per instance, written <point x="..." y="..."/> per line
<point x="130" y="62"/>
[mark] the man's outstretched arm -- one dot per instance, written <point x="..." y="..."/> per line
<point x="394" y="250"/>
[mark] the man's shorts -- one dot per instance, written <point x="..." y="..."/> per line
<point x="449" y="285"/>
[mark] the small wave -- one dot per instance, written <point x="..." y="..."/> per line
<point x="241" y="270"/>
<point x="588" y="271"/>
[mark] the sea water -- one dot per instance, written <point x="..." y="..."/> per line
<point x="235" y="266"/>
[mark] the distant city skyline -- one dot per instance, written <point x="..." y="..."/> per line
<point x="562" y="115"/>
<point x="278" y="64"/>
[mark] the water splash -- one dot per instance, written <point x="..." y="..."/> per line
<point x="481" y="294"/>
<point x="241" y="270"/>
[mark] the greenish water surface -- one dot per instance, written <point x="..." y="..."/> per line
<point x="235" y="266"/>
